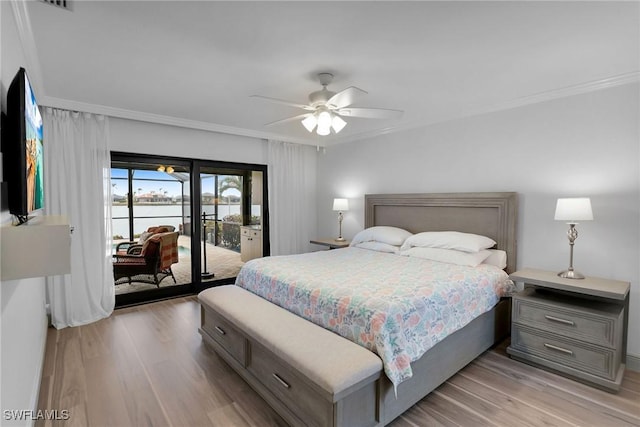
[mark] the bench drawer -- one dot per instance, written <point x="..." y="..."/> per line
<point x="579" y="355"/>
<point x="596" y="323"/>
<point x="226" y="335"/>
<point x="290" y="388"/>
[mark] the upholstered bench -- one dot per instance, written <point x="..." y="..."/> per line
<point x="309" y="375"/>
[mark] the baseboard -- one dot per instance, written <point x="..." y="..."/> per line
<point x="633" y="362"/>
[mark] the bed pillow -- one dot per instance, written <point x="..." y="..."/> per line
<point x="378" y="246"/>
<point x="497" y="258"/>
<point x="450" y="256"/>
<point x="456" y="240"/>
<point x="383" y="234"/>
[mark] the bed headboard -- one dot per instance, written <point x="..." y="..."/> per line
<point x="490" y="214"/>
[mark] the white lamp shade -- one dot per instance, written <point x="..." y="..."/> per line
<point x="310" y="122"/>
<point x="574" y="209"/>
<point x="337" y="124"/>
<point x="340" y="205"/>
<point x="324" y="119"/>
<point x="323" y="130"/>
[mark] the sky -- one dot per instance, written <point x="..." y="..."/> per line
<point x="162" y="182"/>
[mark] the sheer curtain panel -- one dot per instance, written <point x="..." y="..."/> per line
<point x="77" y="184"/>
<point x="292" y="196"/>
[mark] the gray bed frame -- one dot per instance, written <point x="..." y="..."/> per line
<point x="491" y="214"/>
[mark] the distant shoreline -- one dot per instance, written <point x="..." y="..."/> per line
<point x="171" y="204"/>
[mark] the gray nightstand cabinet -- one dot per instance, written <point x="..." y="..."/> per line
<point x="575" y="327"/>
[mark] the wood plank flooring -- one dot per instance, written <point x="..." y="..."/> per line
<point x="147" y="366"/>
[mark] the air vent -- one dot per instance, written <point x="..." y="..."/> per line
<point x="62" y="4"/>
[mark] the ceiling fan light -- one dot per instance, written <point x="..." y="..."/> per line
<point x="324" y="119"/>
<point x="310" y="122"/>
<point x="337" y="123"/>
<point x="323" y="130"/>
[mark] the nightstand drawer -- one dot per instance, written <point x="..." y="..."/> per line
<point x="591" y="359"/>
<point x="594" y="322"/>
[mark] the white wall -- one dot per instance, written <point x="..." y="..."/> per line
<point x="23" y="320"/>
<point x="149" y="138"/>
<point x="584" y="145"/>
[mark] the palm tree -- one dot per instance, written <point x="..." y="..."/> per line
<point x="230" y="182"/>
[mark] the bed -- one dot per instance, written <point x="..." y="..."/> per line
<point x="488" y="214"/>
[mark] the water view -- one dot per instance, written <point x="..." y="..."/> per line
<point x="153" y="215"/>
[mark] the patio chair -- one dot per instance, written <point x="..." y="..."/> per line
<point x="125" y="247"/>
<point x="148" y="263"/>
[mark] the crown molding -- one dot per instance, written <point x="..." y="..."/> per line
<point x="66" y="104"/>
<point x="578" y="89"/>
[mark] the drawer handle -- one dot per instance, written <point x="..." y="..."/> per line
<point x="560" y="349"/>
<point x="220" y="330"/>
<point x="557" y="319"/>
<point x="281" y="381"/>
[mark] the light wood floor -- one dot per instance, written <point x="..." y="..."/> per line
<point x="147" y="366"/>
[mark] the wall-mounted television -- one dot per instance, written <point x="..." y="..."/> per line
<point x="22" y="149"/>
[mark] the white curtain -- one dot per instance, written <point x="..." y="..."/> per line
<point x="77" y="184"/>
<point x="291" y="170"/>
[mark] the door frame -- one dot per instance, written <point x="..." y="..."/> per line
<point x="195" y="166"/>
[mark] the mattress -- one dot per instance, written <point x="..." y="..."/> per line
<point x="396" y="306"/>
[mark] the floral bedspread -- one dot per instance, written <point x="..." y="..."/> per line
<point x="396" y="306"/>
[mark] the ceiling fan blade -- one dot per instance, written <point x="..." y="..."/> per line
<point x="285" y="102"/>
<point x="370" y="113"/>
<point x="345" y="97"/>
<point x="289" y="119"/>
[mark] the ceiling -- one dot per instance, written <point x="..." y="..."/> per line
<point x="197" y="64"/>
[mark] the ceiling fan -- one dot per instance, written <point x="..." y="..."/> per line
<point x="326" y="109"/>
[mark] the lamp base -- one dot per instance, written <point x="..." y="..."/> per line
<point x="570" y="274"/>
<point x="339" y="239"/>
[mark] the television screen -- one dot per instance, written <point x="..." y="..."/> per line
<point x="34" y="156"/>
<point x="22" y="149"/>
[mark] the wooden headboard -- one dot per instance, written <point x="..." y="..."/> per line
<point x="490" y="214"/>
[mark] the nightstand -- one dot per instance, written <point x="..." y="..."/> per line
<point x="576" y="327"/>
<point x="331" y="243"/>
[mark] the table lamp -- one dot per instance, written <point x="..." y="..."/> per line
<point x="340" y="205"/>
<point x="572" y="210"/>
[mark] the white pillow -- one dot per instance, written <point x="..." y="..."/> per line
<point x="450" y="256"/>
<point x="378" y="246"/>
<point x="465" y="242"/>
<point x="382" y="233"/>
<point x="497" y="258"/>
<point x="144" y="236"/>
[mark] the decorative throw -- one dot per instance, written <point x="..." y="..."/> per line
<point x="168" y="248"/>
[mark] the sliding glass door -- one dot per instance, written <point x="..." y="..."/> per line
<point x="211" y="234"/>
<point x="151" y="211"/>
<point x="231" y="205"/>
